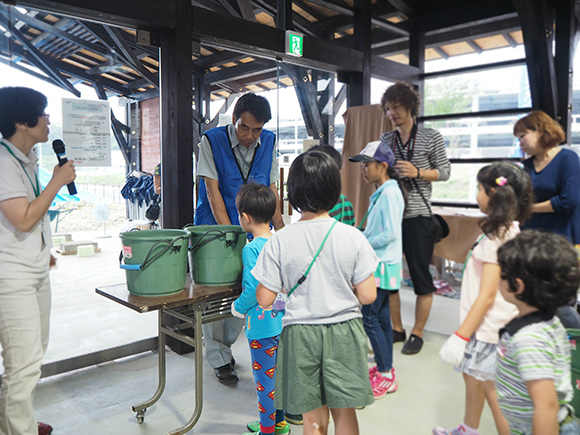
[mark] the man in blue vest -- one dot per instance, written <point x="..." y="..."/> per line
<point x="229" y="157"/>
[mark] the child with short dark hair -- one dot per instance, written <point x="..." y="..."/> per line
<point x="539" y="273"/>
<point x="326" y="268"/>
<point x="256" y="204"/>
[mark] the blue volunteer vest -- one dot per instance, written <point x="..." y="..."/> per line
<point x="229" y="173"/>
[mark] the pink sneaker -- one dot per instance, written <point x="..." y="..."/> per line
<point x="459" y="430"/>
<point x="372" y="372"/>
<point x="381" y="385"/>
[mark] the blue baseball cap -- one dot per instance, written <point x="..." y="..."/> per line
<point x="376" y="151"/>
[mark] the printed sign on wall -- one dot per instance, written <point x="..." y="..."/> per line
<point x="86" y="131"/>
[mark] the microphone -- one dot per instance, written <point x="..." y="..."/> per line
<point x="58" y="147"/>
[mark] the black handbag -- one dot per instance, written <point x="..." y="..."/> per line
<point x="154" y="210"/>
<point x="439" y="227"/>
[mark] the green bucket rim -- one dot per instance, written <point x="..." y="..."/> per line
<point x="144" y="237"/>
<point x="154" y="235"/>
<point x="220" y="230"/>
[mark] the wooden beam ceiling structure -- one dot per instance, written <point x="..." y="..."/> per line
<point x="196" y="51"/>
<point x="253" y="29"/>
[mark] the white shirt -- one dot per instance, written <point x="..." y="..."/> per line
<point x="22" y="254"/>
<point x="501" y="312"/>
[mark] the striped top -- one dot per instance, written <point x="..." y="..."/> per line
<point x="343" y="211"/>
<point x="531" y="347"/>
<point x="430" y="153"/>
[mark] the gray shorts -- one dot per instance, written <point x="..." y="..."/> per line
<point x="322" y="365"/>
<point x="479" y="360"/>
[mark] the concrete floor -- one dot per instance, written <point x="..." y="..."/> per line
<point x="98" y="400"/>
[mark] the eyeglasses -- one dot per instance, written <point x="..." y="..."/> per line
<point x="47" y="116"/>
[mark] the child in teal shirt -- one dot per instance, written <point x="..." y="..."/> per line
<point x="256" y="204"/>
<point x="384" y="220"/>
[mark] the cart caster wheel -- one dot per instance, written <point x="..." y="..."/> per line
<point x="141" y="416"/>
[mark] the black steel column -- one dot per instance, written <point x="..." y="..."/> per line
<point x="417" y="58"/>
<point x="566" y="42"/>
<point x="537" y="18"/>
<point x="359" y="88"/>
<point x="176" y="119"/>
<point x="284" y="16"/>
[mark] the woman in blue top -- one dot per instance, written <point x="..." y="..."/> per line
<point x="384" y="232"/>
<point x="554" y="171"/>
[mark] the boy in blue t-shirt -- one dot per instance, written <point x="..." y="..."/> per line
<point x="256" y="204"/>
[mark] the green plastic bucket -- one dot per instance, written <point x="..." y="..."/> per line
<point x="575" y="403"/>
<point x="574" y="337"/>
<point x="155" y="261"/>
<point x="215" y="254"/>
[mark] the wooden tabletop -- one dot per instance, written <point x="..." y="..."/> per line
<point x="190" y="294"/>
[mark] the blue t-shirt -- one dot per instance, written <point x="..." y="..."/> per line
<point x="559" y="183"/>
<point x="260" y="322"/>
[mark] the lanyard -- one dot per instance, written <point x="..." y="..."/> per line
<point x="35" y="188"/>
<point x="410" y="145"/>
<point x="303" y="278"/>
<point x="471" y="252"/>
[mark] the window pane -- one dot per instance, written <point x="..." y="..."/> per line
<point x="487" y="137"/>
<point x="488" y="56"/>
<point x="461" y="186"/>
<point x="504" y="88"/>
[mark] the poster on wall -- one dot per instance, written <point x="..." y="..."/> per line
<point x="86" y="131"/>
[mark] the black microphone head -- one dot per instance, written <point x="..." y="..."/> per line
<point x="58" y="146"/>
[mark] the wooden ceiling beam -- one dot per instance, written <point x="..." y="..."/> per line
<point x="53" y="30"/>
<point x="263" y="41"/>
<point x="38" y="59"/>
<point x="399" y="45"/>
<point x="300" y="23"/>
<point x="408" y="7"/>
<point x="459" y="14"/>
<point x="240" y="72"/>
<point x="136" y="14"/>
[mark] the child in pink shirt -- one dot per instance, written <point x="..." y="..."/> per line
<point x="505" y="196"/>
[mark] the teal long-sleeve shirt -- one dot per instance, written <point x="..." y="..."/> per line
<point x="384" y="229"/>
<point x="260" y="323"/>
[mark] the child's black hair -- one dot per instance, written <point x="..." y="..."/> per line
<point x="313" y="182"/>
<point x="258" y="201"/>
<point x="510" y="196"/>
<point x="20" y="105"/>
<point x="331" y="151"/>
<point x="257" y="105"/>
<point x="546" y="263"/>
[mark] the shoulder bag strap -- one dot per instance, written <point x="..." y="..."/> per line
<point x="303" y="278"/>
<point x="364" y="219"/>
<point x="416" y="185"/>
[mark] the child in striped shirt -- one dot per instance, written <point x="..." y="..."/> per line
<point x="343" y="211"/>
<point x="539" y="273"/>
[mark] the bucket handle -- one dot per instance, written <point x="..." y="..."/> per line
<point x="230" y="236"/>
<point x="148" y="260"/>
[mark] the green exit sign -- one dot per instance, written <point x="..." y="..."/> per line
<point x="294" y="43"/>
